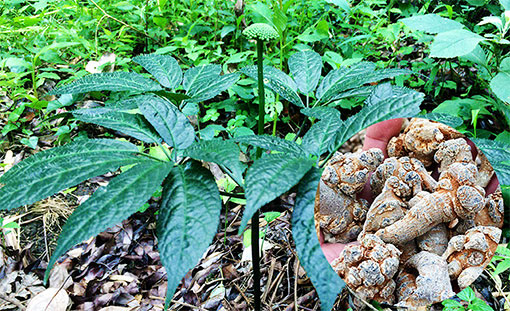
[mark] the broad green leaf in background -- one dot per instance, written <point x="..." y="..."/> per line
<point x="206" y="87"/>
<point x="404" y="105"/>
<point x="385" y="91"/>
<point x="270" y="177"/>
<point x="109" y="81"/>
<point x="188" y="220"/>
<point x="453" y="43"/>
<point x="306" y="68"/>
<point x="500" y="84"/>
<point x="173" y="126"/>
<point x="272" y="143"/>
<point x="477" y="56"/>
<point x="222" y="152"/>
<point x="277" y="81"/>
<point x="110" y="205"/>
<point x="322" y="134"/>
<point x="163" y="67"/>
<point x="50" y="171"/>
<point x="130" y="124"/>
<point x="431" y="23"/>
<point x="196" y="76"/>
<point x="498" y="154"/>
<point x="452" y="121"/>
<point x="327" y="283"/>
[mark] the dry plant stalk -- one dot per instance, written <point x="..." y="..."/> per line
<point x="420" y="237"/>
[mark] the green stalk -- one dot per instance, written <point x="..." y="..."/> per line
<point x="255" y="217"/>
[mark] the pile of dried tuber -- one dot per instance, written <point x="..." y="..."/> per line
<point x="429" y="228"/>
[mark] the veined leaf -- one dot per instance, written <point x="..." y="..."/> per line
<point x="385" y="91"/>
<point x="452" y="121"/>
<point x="50" y="171"/>
<point x="270" y="177"/>
<point x="194" y="77"/>
<point x="124" y="104"/>
<point x="498" y="154"/>
<point x="206" y="88"/>
<point x="321" y="135"/>
<point x="133" y="125"/>
<point x="322" y="112"/>
<point x="163" y="67"/>
<point x="188" y="220"/>
<point x="272" y="143"/>
<point x="306" y="67"/>
<point x="327" y="283"/>
<point x="277" y="81"/>
<point x="110" y="205"/>
<point x="501" y="82"/>
<point x="343" y="79"/>
<point x="109" y="81"/>
<point x="221" y="152"/>
<point x="431" y="23"/>
<point x="453" y="43"/>
<point x="404" y="105"/>
<point x="359" y="91"/>
<point x="318" y="138"/>
<point x="170" y="123"/>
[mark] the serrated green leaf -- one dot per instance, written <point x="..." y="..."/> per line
<point x="431" y="23"/>
<point x="385" y="91"/>
<point x="399" y="106"/>
<point x="343" y="79"/>
<point x="195" y="76"/>
<point x="270" y="177"/>
<point x="322" y="112"/>
<point x="306" y="67"/>
<point x="110" y="205"/>
<point x="124" y="104"/>
<point x="357" y="92"/>
<point x="109" y="81"/>
<point x="207" y="88"/>
<point x="188" y="220"/>
<point x="453" y="43"/>
<point x="327" y="283"/>
<point x="221" y="152"/>
<point x="321" y="134"/>
<point x="50" y="171"/>
<point x="452" y="121"/>
<point x="272" y="143"/>
<point x="277" y="81"/>
<point x="168" y="121"/>
<point x="130" y="124"/>
<point x="498" y="154"/>
<point x="163" y="67"/>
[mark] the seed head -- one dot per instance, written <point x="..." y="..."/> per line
<point x="261" y="31"/>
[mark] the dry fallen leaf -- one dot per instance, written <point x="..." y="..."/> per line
<point x="51" y="299"/>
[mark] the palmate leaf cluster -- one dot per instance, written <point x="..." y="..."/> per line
<point x="190" y="205"/>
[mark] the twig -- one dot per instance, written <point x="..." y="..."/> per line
<point x="301" y="300"/>
<point x="296" y="276"/>
<point x="14" y="301"/>
<point x="188" y="305"/>
<point x="361" y="299"/>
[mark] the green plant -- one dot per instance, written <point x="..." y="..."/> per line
<point x="488" y="53"/>
<point x="190" y="201"/>
<point x="467" y="295"/>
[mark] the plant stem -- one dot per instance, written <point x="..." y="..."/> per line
<point x="255" y="219"/>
